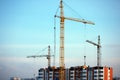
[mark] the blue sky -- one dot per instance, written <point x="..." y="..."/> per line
<point x="26" y="27"/>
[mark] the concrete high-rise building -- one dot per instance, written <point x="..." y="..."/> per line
<point x="105" y="73"/>
<point x="50" y="73"/>
<point x="77" y="73"/>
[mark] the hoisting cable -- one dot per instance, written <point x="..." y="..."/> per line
<point x="56" y="14"/>
<point x="54" y="60"/>
<point x="85" y="45"/>
<point x="72" y="10"/>
<point x="41" y="50"/>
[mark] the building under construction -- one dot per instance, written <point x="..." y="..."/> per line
<point x="77" y="72"/>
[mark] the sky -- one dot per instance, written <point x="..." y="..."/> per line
<point x="27" y="27"/>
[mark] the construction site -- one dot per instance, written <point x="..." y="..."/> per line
<point x="82" y="72"/>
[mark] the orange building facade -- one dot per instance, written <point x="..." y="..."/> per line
<point x="108" y="73"/>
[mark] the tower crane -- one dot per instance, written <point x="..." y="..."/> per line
<point x="98" y="52"/>
<point x="48" y="56"/>
<point x="62" y="18"/>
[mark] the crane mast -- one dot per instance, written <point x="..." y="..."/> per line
<point x="62" y="66"/>
<point x="98" y="53"/>
<point x="62" y="19"/>
<point x="98" y="50"/>
<point x="61" y="35"/>
<point x="48" y="57"/>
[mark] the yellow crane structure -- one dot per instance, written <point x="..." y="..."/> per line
<point x="47" y="56"/>
<point x="62" y="19"/>
<point x="98" y="52"/>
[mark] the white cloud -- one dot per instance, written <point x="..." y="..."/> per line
<point x="22" y="60"/>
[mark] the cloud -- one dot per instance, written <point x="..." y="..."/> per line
<point x="14" y="59"/>
<point x="1" y="68"/>
<point x="19" y="67"/>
